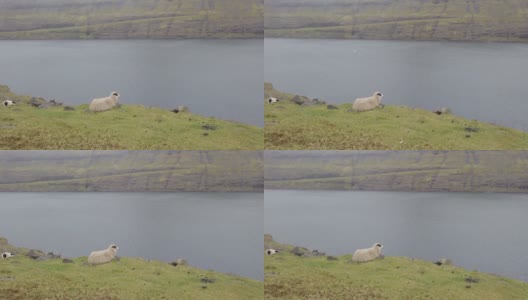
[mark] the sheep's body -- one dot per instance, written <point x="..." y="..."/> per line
<point x="8" y="103"/>
<point x="271" y="251"/>
<point x="7" y="255"/>
<point x="103" y="104"/>
<point x="369" y="254"/>
<point x="103" y="256"/>
<point x="368" y="103"/>
<point x="272" y="100"/>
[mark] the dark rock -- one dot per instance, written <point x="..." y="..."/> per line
<point x="471" y="129"/>
<point x="180" y="109"/>
<point x="317" y="101"/>
<point x="209" y="127"/>
<point x="206" y="134"/>
<point x="331" y="258"/>
<point x="468" y="135"/>
<point x="204" y="287"/>
<point x="207" y="280"/>
<point x="471" y="280"/>
<point x="69" y="108"/>
<point x="298" y="251"/>
<point x="48" y="256"/>
<point x="51" y="103"/>
<point x="67" y="261"/>
<point x="332" y="107"/>
<point x="35" y="254"/>
<point x="297" y="100"/>
<point x="317" y="253"/>
<point x="34" y="102"/>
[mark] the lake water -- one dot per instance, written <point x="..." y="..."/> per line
<point x="483" y="81"/>
<point x="220" y="78"/>
<point x="218" y="231"/>
<point x="485" y="232"/>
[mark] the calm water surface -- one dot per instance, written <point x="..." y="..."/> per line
<point x="485" y="232"/>
<point x="483" y="81"/>
<point x="212" y="77"/>
<point x="218" y="231"/>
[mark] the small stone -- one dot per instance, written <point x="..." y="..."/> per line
<point x="209" y="127"/>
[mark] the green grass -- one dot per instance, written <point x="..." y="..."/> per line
<point x="129" y="278"/>
<point x="291" y="277"/>
<point x="130" y="127"/>
<point x="457" y="20"/>
<point x="289" y="126"/>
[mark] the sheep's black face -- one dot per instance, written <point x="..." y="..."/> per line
<point x="379" y="245"/>
<point x="4" y="255"/>
<point x="379" y="94"/>
<point x="269" y="252"/>
<point x="114" y="246"/>
<point x="115" y="94"/>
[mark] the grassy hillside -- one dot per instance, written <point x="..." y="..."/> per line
<point x="419" y="171"/>
<point x="289" y="126"/>
<point x="131" y="171"/>
<point x="128" y="278"/>
<point x="459" y="20"/>
<point x="130" y="127"/>
<point x="130" y="19"/>
<point x="288" y="276"/>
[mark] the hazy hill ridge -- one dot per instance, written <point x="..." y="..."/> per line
<point x="131" y="171"/>
<point x="460" y="20"/>
<point x="424" y="171"/>
<point x="130" y="19"/>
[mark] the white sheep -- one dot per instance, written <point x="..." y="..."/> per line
<point x="364" y="104"/>
<point x="7" y="103"/>
<point x="7" y="255"/>
<point x="364" y="255"/>
<point x="103" y="256"/>
<point x="272" y="251"/>
<point x="103" y="104"/>
<point x="272" y="100"/>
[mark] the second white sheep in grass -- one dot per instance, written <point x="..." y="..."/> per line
<point x="103" y="256"/>
<point x="8" y="103"/>
<point x="103" y="104"/>
<point x="369" y="103"/>
<point x="364" y="255"/>
<point x="272" y="100"/>
<point x="271" y="251"/>
<point x="7" y="255"/>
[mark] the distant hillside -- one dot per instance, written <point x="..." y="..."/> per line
<point x="460" y="20"/>
<point x="420" y="171"/>
<point x="131" y="171"/>
<point x="130" y="19"/>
